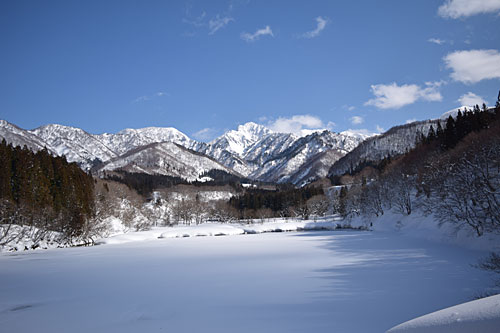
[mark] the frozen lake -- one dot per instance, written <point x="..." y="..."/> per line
<point x="332" y="281"/>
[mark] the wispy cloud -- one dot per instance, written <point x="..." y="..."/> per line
<point x="436" y="41"/>
<point x="146" y="98"/>
<point x="205" y="134"/>
<point x="217" y="23"/>
<point x="197" y="22"/>
<point x="393" y="96"/>
<point x="248" y="37"/>
<point x="213" y="25"/>
<point x="474" y="65"/>
<point x="379" y="129"/>
<point x="464" y="8"/>
<point x="356" y="120"/>
<point x="320" y="26"/>
<point x="412" y="120"/>
<point x="471" y="99"/>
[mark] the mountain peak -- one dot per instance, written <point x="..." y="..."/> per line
<point x="237" y="141"/>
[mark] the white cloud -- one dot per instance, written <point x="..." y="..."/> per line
<point x="380" y="129"/>
<point x="392" y="96"/>
<point x="218" y="23"/>
<point x="464" y="8"/>
<point x="206" y="134"/>
<point x="356" y="120"/>
<point x="296" y="124"/>
<point x="330" y="125"/>
<point x="471" y="99"/>
<point x="141" y="99"/>
<point x="436" y="41"/>
<point x="348" y="107"/>
<point x="321" y="25"/>
<point x="412" y="120"/>
<point x="362" y="132"/>
<point x="255" y="36"/>
<point x="146" y="98"/>
<point x="197" y="22"/>
<point x="474" y="65"/>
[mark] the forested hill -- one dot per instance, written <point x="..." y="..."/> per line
<point x="453" y="173"/>
<point x="37" y="189"/>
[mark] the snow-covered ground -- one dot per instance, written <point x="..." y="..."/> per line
<point x="221" y="229"/>
<point x="323" y="281"/>
<point x="481" y="315"/>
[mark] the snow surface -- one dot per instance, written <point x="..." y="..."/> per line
<point x="420" y="226"/>
<point x="219" y="229"/>
<point x="481" y="315"/>
<point x="325" y="281"/>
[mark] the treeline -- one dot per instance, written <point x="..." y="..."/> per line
<point x="43" y="191"/>
<point x="453" y="173"/>
<point x="458" y="127"/>
<point x="142" y="183"/>
<point x="145" y="184"/>
<point x="282" y="202"/>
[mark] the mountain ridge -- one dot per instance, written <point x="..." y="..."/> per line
<point x="252" y="150"/>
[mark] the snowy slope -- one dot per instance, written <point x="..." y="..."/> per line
<point x="20" y="137"/>
<point x="129" y="139"/>
<point x="481" y="315"/>
<point x="165" y="158"/>
<point x="76" y="144"/>
<point x="395" y="141"/>
<point x="238" y="141"/>
<point x="294" y="163"/>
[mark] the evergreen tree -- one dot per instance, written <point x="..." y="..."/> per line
<point x="439" y="131"/>
<point x="450" y="136"/>
<point x="431" y="135"/>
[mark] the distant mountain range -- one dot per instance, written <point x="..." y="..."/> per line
<point x="252" y="151"/>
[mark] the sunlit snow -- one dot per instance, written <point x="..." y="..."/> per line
<point x="324" y="281"/>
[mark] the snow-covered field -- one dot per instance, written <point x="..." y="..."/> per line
<point x="323" y="281"/>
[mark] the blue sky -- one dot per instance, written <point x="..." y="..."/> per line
<point x="206" y="67"/>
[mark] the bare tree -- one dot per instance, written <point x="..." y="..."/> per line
<point x="223" y="212"/>
<point x="372" y="200"/>
<point x="318" y="205"/>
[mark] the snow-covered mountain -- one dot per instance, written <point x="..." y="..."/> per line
<point x="252" y="150"/>
<point x="238" y="141"/>
<point x="20" y="137"/>
<point x="129" y="138"/>
<point x="293" y="161"/>
<point x="76" y="144"/>
<point x="395" y="141"/>
<point x="165" y="158"/>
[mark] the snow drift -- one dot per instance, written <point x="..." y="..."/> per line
<point x="481" y="315"/>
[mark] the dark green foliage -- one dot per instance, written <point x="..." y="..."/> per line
<point x="44" y="191"/>
<point x="431" y="135"/>
<point x="457" y="128"/>
<point x="221" y="177"/>
<point x="278" y="201"/>
<point x="377" y="165"/>
<point x="144" y="184"/>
